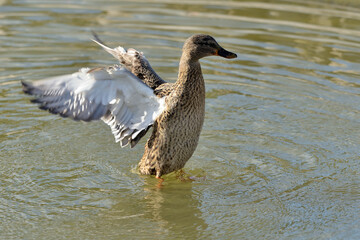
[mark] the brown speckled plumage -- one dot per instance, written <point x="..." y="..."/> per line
<point x="131" y="98"/>
<point x="176" y="131"/>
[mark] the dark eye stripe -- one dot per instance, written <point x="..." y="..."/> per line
<point x="210" y="44"/>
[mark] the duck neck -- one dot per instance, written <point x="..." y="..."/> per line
<point x="190" y="86"/>
<point x="190" y="74"/>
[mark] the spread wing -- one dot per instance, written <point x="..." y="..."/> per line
<point x="112" y="94"/>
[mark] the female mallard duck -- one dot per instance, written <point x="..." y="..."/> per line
<point x="131" y="98"/>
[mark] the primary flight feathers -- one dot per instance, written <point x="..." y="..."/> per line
<point x="111" y="94"/>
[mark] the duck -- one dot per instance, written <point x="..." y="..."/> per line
<point x="131" y="98"/>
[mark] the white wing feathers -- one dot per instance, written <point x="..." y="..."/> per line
<point x="112" y="94"/>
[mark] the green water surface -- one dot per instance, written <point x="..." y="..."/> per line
<point x="279" y="152"/>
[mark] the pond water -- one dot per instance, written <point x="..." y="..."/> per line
<point x="279" y="153"/>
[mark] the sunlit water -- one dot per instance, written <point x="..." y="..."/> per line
<point x="279" y="153"/>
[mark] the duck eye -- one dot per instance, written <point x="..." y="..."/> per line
<point x="212" y="45"/>
<point x="208" y="43"/>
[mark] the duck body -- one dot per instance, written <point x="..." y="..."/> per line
<point x="177" y="130"/>
<point x="140" y="99"/>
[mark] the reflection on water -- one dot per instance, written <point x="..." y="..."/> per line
<point x="174" y="210"/>
<point x="278" y="156"/>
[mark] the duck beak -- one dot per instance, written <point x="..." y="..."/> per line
<point x="224" y="53"/>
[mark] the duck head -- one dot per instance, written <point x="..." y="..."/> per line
<point x="201" y="45"/>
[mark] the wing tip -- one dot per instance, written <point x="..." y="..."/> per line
<point x="128" y="141"/>
<point x="96" y="37"/>
<point x="27" y="87"/>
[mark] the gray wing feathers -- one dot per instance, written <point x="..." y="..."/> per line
<point x="113" y="95"/>
<point x="56" y="96"/>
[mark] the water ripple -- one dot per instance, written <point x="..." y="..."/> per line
<point x="278" y="155"/>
